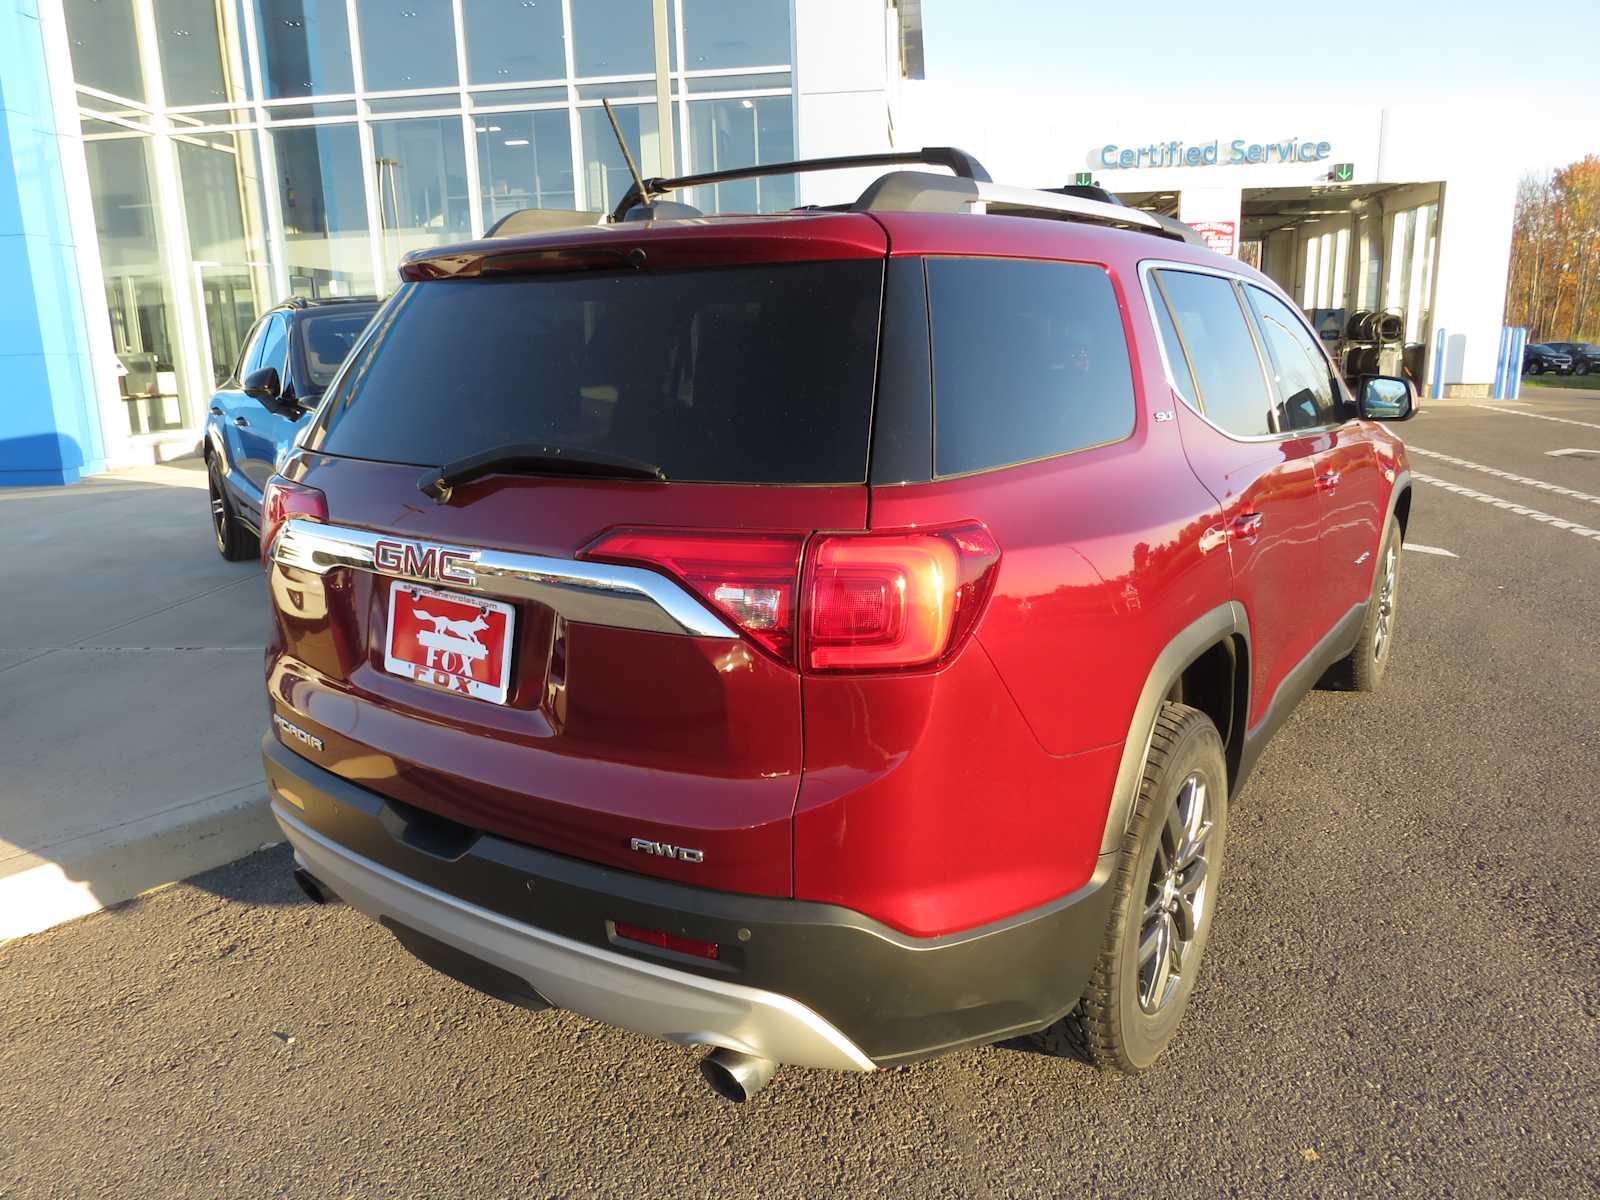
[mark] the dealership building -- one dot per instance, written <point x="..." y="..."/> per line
<point x="171" y="168"/>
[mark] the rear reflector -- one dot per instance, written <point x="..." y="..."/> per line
<point x="665" y="941"/>
<point x="282" y="500"/>
<point x="875" y="601"/>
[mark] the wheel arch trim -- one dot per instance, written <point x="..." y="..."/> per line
<point x="1213" y="628"/>
<point x="1401" y="487"/>
<point x="216" y="447"/>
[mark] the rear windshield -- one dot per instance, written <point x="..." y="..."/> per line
<point x="759" y="374"/>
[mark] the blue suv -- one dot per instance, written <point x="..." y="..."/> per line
<point x="288" y="361"/>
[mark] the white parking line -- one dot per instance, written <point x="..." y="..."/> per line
<point x="1535" y="514"/>
<point x="1579" y="451"/>
<point x="1555" y="488"/>
<point x="1421" y="549"/>
<point x="1517" y="412"/>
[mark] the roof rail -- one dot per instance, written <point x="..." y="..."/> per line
<point x="959" y="161"/>
<point x="968" y="189"/>
<point x="317" y="302"/>
<point x="919" y="191"/>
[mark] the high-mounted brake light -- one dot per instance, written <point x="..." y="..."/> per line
<point x="284" y="499"/>
<point x="472" y="264"/>
<point x="884" y="601"/>
<point x="864" y="602"/>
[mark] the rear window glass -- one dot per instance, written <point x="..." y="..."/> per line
<point x="1227" y="369"/>
<point x="733" y="375"/>
<point x="1182" y="377"/>
<point x="1029" y="361"/>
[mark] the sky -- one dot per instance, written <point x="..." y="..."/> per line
<point x="1273" y="50"/>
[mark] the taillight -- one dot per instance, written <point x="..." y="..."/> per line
<point x="750" y="578"/>
<point x="883" y="601"/>
<point x="284" y="499"/>
<point x="864" y="601"/>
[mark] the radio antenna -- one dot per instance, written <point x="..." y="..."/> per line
<point x="627" y="156"/>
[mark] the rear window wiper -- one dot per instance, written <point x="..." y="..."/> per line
<point x="531" y="459"/>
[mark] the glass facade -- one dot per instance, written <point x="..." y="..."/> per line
<point x="1414" y="240"/>
<point x="241" y="151"/>
<point x="138" y="277"/>
<point x="322" y="209"/>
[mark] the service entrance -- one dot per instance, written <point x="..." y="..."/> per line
<point x="1342" y="251"/>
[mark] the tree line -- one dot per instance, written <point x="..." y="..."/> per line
<point x="1554" y="286"/>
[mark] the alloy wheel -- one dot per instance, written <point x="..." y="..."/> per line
<point x="1386" y="597"/>
<point x="1177" y="896"/>
<point x="219" y="508"/>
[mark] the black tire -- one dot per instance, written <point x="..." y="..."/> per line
<point x="1534" y="368"/>
<point x="232" y="539"/>
<point x="1362" y="670"/>
<point x="1130" y="1010"/>
<point x="1583" y="368"/>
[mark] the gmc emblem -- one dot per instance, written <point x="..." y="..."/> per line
<point x="415" y="560"/>
<point x="667" y="850"/>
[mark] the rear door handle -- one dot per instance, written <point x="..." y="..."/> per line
<point x="1327" y="481"/>
<point x="1245" y="527"/>
<point x="241" y="423"/>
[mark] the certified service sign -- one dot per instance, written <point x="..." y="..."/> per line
<point x="1221" y="236"/>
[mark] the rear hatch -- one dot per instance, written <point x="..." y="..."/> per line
<point x="496" y="654"/>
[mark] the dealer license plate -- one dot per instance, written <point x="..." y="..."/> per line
<point x="448" y="641"/>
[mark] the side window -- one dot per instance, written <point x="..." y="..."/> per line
<point x="1227" y="370"/>
<point x="251" y="354"/>
<point x="1182" y="377"/>
<point x="274" y="350"/>
<point x="1029" y="360"/>
<point x="1306" y="397"/>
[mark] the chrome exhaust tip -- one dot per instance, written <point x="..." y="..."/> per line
<point x="735" y="1076"/>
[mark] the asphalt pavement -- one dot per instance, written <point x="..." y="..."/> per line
<point x="1402" y="992"/>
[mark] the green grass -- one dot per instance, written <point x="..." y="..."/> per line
<point x="1584" y="382"/>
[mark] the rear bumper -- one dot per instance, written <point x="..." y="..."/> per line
<point x="646" y="997"/>
<point x="798" y="982"/>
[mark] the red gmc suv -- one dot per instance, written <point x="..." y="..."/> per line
<point x="830" y="637"/>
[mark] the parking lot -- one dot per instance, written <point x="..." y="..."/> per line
<point x="1402" y="993"/>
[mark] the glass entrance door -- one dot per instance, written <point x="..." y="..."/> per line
<point x="138" y="291"/>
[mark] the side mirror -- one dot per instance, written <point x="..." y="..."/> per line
<point x="1387" y="398"/>
<point x="263" y="385"/>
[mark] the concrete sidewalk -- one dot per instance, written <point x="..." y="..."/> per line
<point x="130" y="694"/>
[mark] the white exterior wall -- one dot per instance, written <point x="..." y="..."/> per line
<point x="844" y="78"/>
<point x="1045" y="137"/>
<point x="1464" y="147"/>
